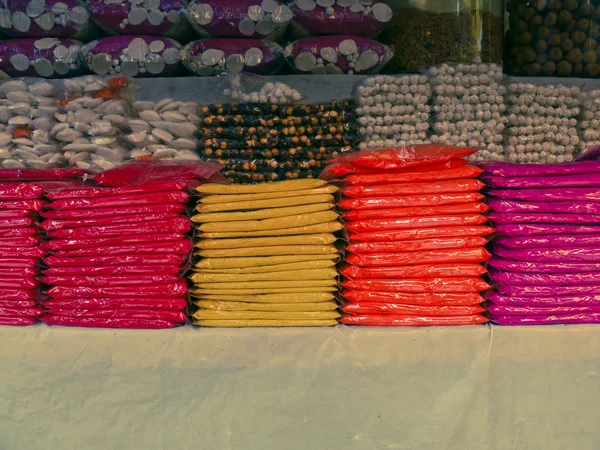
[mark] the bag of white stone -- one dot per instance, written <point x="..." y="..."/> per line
<point x="150" y="18"/>
<point x="134" y="56"/>
<point x="258" y="19"/>
<point x="46" y="18"/>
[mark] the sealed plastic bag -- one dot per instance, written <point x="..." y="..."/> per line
<point x="309" y="274"/>
<point x="576" y="181"/>
<point x="420" y="233"/>
<point x="57" y="224"/>
<point x="542" y="279"/>
<point x="125" y="270"/>
<point x="108" y="281"/>
<point x="247" y="262"/>
<point x="540" y="311"/>
<point x="251" y="198"/>
<point x="559" y="254"/>
<point x="228" y="293"/>
<point x="467" y="255"/>
<point x="218" y="305"/>
<point x="207" y="314"/>
<point x="428" y="298"/>
<point x="326" y="227"/>
<point x="503" y="169"/>
<point x="548" y="194"/>
<point x="410" y="310"/>
<point x="464" y="172"/>
<point x="400" y="189"/>
<point x="534" y="229"/>
<point x="150" y="314"/>
<point x="18" y="232"/>
<point x="510" y="206"/>
<point x="19" y="222"/>
<point x="551" y="319"/>
<point x="299" y="220"/>
<point x="175" y="208"/>
<point x="183" y="247"/>
<point x="176" y="225"/>
<point x="265" y="323"/>
<point x="17" y="294"/>
<point x="567" y="300"/>
<point x="31" y="205"/>
<point x="262" y="214"/>
<point x="111" y="260"/>
<point x="310" y="239"/>
<point x="454" y="284"/>
<point x="467" y="208"/>
<point x="325" y="264"/>
<point x="585" y="240"/>
<point x="21" y="191"/>
<point x="272" y="298"/>
<point x="18" y="272"/>
<point x="70" y="244"/>
<point x="416" y="245"/>
<point x="416" y="222"/>
<point x="17" y="321"/>
<point x="107" y="323"/>
<point x="547" y="291"/>
<point x="18" y="303"/>
<point x="417" y="271"/>
<point x="261" y="208"/>
<point x="428" y="200"/>
<point x="120" y="201"/>
<point x="23" y="241"/>
<point x="288" y="185"/>
<point x="20" y="312"/>
<point x="541" y="267"/>
<point x="389" y="320"/>
<point x="96" y="192"/>
<point x="171" y="304"/>
<point x="163" y="290"/>
<point x="16" y="262"/>
<point x="504" y="218"/>
<point x="22" y="252"/>
<point x="341" y="169"/>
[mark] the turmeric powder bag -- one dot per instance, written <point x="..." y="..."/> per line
<point x="212" y="199"/>
<point x="308" y="297"/>
<point x="267" y="284"/>
<point x="282" y="186"/>
<point x="233" y="263"/>
<point x="304" y="265"/>
<point x="288" y="275"/>
<point x="282" y="307"/>
<point x="270" y="251"/>
<point x="298" y="220"/>
<point x="206" y="314"/>
<point x="265" y="323"/>
<point x="327" y="227"/>
<point x="273" y="202"/>
<point x="239" y="291"/>
<point x="310" y="239"/>
<point x="260" y="214"/>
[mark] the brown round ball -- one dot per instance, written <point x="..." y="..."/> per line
<point x="554" y="40"/>
<point x="577" y="69"/>
<point x="555" y="5"/>
<point x="590" y="56"/>
<point x="586" y="10"/>
<point x="575" y="56"/>
<point x="565" y="17"/>
<point x="566" y="45"/>
<point x="592" y="70"/>
<point x="578" y="37"/>
<point x="541" y="46"/>
<point x="543" y="33"/>
<point x="536" y="21"/>
<point x="526" y="38"/>
<point x="529" y="13"/>
<point x="542" y="58"/>
<point x="556" y="54"/>
<point x="584" y="25"/>
<point x="590" y="44"/>
<point x="533" y="69"/>
<point x="570" y="5"/>
<point x="549" y="68"/>
<point x="564" y="68"/>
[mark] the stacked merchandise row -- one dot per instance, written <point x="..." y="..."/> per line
<point x="417" y="232"/>
<point x="266" y="255"/>
<point x="546" y="255"/>
<point x="258" y="142"/>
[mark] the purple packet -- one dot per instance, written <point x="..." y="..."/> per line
<point x="493" y="308"/>
<point x="503" y="169"/>
<point x="134" y="56"/>
<point x="548" y="195"/>
<point x="337" y="54"/>
<point x="43" y="57"/>
<point x="153" y="17"/>
<point x="570" y="300"/>
<point x="553" y="319"/>
<point x="511" y="206"/>
<point x="255" y="19"/>
<point x="585" y="180"/>
<point x="547" y="291"/>
<point x="569" y="254"/>
<point x="349" y="17"/>
<point x="544" y="229"/>
<point x="508" y="265"/>
<point x="504" y="218"/>
<point x="46" y="18"/>
<point x="544" y="279"/>
<point x="585" y="240"/>
<point x="208" y="57"/>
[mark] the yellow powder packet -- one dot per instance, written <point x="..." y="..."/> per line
<point x="212" y="199"/>
<point x="328" y="227"/>
<point x="309" y="239"/>
<point x="270" y="251"/>
<point x="314" y="297"/>
<point x="266" y="204"/>
<point x="279" y="186"/>
<point x="286" y="307"/>
<point x="236" y="291"/>
<point x="206" y="314"/>
<point x="298" y="220"/>
<point x="265" y="323"/>
<point x="261" y="213"/>
<point x="310" y="274"/>
<point x="267" y="284"/>
<point x="233" y="263"/>
<point x="275" y="268"/>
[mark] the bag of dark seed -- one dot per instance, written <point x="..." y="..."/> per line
<point x="238" y="132"/>
<point x="241" y="120"/>
<point x="238" y="177"/>
<point x="230" y="144"/>
<point x="250" y="166"/>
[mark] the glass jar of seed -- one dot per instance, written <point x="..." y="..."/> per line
<point x="553" y="38"/>
<point x="425" y="33"/>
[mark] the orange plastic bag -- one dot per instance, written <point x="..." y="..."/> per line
<point x="426" y="298"/>
<point x="410" y="201"/>
<point x="419" y="271"/>
<point x="466" y="255"/>
<point x="412" y="321"/>
<point x="455" y="284"/>
<point x="416" y="222"/>
<point x="466" y="208"/>
<point x="390" y="190"/>
<point x="417" y="245"/>
<point x="414" y="177"/>
<point x="338" y="170"/>
<point x="420" y="233"/>
<point x="410" y="310"/>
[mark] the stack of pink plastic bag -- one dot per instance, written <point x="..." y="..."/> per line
<point x="416" y="237"/>
<point x="546" y="258"/>
<point x="21" y="252"/>
<point x="119" y="249"/>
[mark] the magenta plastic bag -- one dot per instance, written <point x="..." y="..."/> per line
<point x="111" y="260"/>
<point x="31" y="205"/>
<point x="112" y="270"/>
<point x="18" y="303"/>
<point x="18" y="272"/>
<point x="209" y="57"/>
<point x="511" y="206"/>
<point x="553" y="319"/>
<point x="17" y="321"/>
<point x="503" y="169"/>
<point x="18" y="232"/>
<point x="162" y="290"/>
<point x="52" y="224"/>
<point x="571" y="300"/>
<point x="149" y="324"/>
<point x="46" y="57"/>
<point x="566" y="254"/>
<point x="504" y="218"/>
<point x="547" y="291"/>
<point x="22" y="252"/>
<point x="42" y="174"/>
<point x="577" y="181"/>
<point x="173" y="304"/>
<point x="585" y="240"/>
<point x="545" y="229"/>
<point x="95" y="192"/>
<point x="136" y="56"/>
<point x="176" y="225"/>
<point x="543" y="279"/>
<point x="149" y="314"/>
<point x="548" y="194"/>
<point x="365" y="55"/>
<point x="67" y="244"/>
<point x="20" y="190"/>
<point x="24" y="241"/>
<point x="20" y="312"/>
<point x="540" y="311"/>
<point x="508" y="265"/>
<point x="121" y="200"/>
<point x="183" y="247"/>
<point x="79" y="214"/>
<point x="108" y="281"/>
<point x="17" y="294"/>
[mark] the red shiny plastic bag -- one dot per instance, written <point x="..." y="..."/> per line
<point x="410" y="310"/>
<point x="534" y="229"/>
<point x="511" y="206"/>
<point x="419" y="271"/>
<point x="543" y="279"/>
<point x="383" y="320"/>
<point x="156" y="171"/>
<point x="407" y="156"/>
<point x="40" y="174"/>
<point x="504" y="218"/>
<point x="417" y="245"/>
<point x="467" y="208"/>
<point x="176" y="225"/>
<point x="17" y="262"/>
<point x="110" y="260"/>
<point x="18" y="283"/>
<point x="427" y="298"/>
<point x="416" y="222"/>
<point x="54" y="224"/>
<point x="420" y="285"/>
<point x="17" y="222"/>
<point x="125" y="270"/>
<point x="183" y="247"/>
<point x="467" y="255"/>
<point x="15" y="213"/>
<point x="171" y="304"/>
<point x="420" y="233"/>
<point x="392" y="190"/>
<point x="150" y="314"/>
<point x="18" y="232"/>
<point x="542" y="267"/>
<point x="30" y="205"/>
<point x="18" y="272"/>
<point x="67" y="244"/>
<point x="338" y="170"/>
<point x="162" y="290"/>
<point x="21" y="252"/>
<point x="18" y="303"/>
<point x="20" y="191"/>
<point x="409" y="201"/>
<point x="17" y="294"/>
<point x="86" y="214"/>
<point x="95" y="192"/>
<point x="413" y="177"/>
<point x="20" y="312"/>
<point x="17" y="321"/>
<point x="108" y="281"/>
<point x="23" y="241"/>
<point x="121" y="201"/>
<point x="141" y="324"/>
